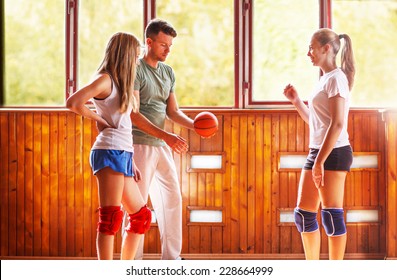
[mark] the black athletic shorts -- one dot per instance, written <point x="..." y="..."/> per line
<point x="339" y="159"/>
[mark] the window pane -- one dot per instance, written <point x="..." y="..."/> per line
<point x="98" y="21"/>
<point x="34" y="52"/>
<point x="281" y="37"/>
<point x="372" y="26"/>
<point x="202" y="53"/>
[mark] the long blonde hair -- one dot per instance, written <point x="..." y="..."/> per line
<point x="120" y="63"/>
<point x="327" y="36"/>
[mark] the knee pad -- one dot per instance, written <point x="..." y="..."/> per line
<point x="140" y="221"/>
<point x="333" y="221"/>
<point x="305" y="221"/>
<point x="110" y="219"/>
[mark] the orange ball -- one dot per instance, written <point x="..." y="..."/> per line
<point x="205" y="124"/>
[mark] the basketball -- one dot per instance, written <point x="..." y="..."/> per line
<point x="205" y="124"/>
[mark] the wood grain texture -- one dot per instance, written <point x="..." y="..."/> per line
<point x="49" y="195"/>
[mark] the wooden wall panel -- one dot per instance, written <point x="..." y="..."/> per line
<point x="49" y="195"/>
<point x="4" y="182"/>
<point x="12" y="188"/>
<point x="28" y="203"/>
<point x="390" y="118"/>
<point x="363" y="187"/>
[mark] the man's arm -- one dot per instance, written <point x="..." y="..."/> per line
<point x="176" y="115"/>
<point x="177" y="143"/>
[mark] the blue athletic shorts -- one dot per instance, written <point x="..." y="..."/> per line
<point x="118" y="160"/>
<point x="339" y="159"/>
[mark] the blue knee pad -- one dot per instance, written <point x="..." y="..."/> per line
<point x="333" y="221"/>
<point x="305" y="221"/>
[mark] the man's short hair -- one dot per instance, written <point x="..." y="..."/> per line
<point x="155" y="26"/>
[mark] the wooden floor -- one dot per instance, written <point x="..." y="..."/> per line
<point x="216" y="257"/>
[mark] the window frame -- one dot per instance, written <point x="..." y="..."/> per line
<point x="71" y="41"/>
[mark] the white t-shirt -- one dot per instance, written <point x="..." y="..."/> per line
<point x="330" y="84"/>
<point x="120" y="137"/>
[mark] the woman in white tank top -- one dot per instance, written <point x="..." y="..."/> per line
<point x="112" y="153"/>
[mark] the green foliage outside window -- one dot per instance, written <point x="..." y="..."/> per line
<point x="281" y="37"/>
<point x="98" y="21"/>
<point x="34" y="52"/>
<point x="372" y="26"/>
<point x="203" y="53"/>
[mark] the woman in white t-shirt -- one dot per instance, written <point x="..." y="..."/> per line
<point x="111" y="156"/>
<point x="323" y="176"/>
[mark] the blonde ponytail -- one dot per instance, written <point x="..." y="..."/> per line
<point x="347" y="63"/>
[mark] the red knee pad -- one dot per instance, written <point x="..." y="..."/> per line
<point x="110" y="219"/>
<point x="140" y="221"/>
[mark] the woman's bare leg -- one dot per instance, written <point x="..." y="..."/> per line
<point x="331" y="195"/>
<point x="110" y="186"/>
<point x="132" y="203"/>
<point x="309" y="200"/>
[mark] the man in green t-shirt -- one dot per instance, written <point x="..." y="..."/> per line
<point x="154" y="89"/>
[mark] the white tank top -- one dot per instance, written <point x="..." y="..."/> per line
<point x="120" y="137"/>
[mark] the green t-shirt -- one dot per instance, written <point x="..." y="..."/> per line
<point x="155" y="86"/>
